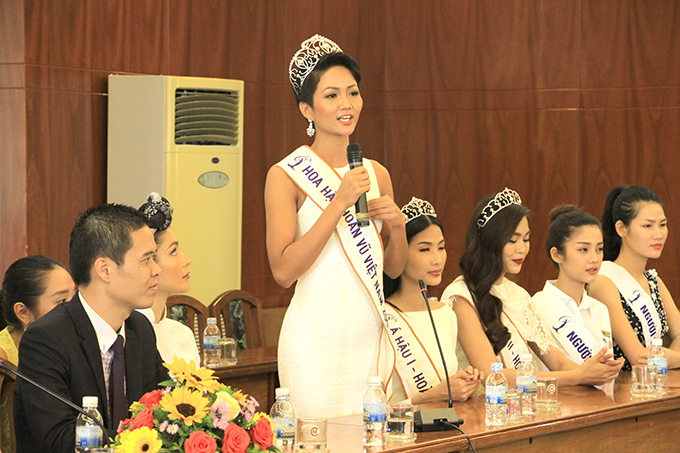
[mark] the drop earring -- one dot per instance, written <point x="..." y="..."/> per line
<point x="310" y="129"/>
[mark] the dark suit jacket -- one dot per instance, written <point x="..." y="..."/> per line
<point x="61" y="352"/>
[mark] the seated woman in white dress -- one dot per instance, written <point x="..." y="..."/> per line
<point x="635" y="230"/>
<point x="497" y="321"/>
<point x="420" y="373"/>
<point x="578" y="323"/>
<point x="172" y="337"/>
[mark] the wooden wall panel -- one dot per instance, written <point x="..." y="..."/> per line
<point x="559" y="100"/>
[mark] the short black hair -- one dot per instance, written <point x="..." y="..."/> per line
<point x="324" y="64"/>
<point x="102" y="231"/>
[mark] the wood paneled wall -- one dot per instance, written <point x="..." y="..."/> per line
<point x="559" y="100"/>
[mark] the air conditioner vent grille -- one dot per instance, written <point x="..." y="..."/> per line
<point x="206" y="117"/>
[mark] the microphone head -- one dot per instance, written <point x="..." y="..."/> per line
<point x="354" y="153"/>
<point x="421" y="283"/>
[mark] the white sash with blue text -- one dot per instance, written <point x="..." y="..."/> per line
<point x="636" y="298"/>
<point x="362" y="246"/>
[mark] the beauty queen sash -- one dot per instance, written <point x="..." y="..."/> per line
<point x="571" y="334"/>
<point x="636" y="298"/>
<point x="516" y="346"/>
<point x="362" y="246"/>
<point x="415" y="368"/>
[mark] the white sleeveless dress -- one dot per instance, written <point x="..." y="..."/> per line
<point x="329" y="338"/>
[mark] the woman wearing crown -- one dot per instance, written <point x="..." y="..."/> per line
<point x="329" y="338"/>
<point x="497" y="319"/>
<point x="418" y="363"/>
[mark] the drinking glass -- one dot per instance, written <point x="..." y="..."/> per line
<point x="546" y="394"/>
<point x="310" y="434"/>
<point x="400" y="423"/>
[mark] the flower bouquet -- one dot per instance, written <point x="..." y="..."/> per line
<point x="194" y="413"/>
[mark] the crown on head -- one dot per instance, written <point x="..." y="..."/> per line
<point x="417" y="207"/>
<point x="500" y="201"/>
<point x="304" y="61"/>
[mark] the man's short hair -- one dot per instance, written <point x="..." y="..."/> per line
<point x="102" y="231"/>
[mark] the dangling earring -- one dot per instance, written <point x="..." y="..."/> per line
<point x="310" y="129"/>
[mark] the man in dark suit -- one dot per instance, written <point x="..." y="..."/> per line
<point x="71" y="349"/>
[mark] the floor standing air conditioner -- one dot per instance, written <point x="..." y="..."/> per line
<point x="183" y="137"/>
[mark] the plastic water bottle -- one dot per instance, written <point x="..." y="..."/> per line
<point x="211" y="344"/>
<point x="375" y="413"/>
<point x="526" y="383"/>
<point x="88" y="434"/>
<point x="496" y="396"/>
<point x="657" y="360"/>
<point x="283" y="420"/>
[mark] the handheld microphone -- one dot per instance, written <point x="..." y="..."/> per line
<point x="354" y="158"/>
<point x="436" y="419"/>
<point x="6" y="367"/>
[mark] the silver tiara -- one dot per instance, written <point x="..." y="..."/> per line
<point x="417" y="207"/>
<point x="500" y="201"/>
<point x="304" y="61"/>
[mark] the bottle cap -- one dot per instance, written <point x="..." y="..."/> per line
<point x="90" y="401"/>
<point x="657" y="342"/>
<point x="375" y="380"/>
<point x="496" y="367"/>
<point x="212" y="321"/>
<point x="526" y="357"/>
<point x="282" y="391"/>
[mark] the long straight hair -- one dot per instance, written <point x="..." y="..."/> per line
<point x="482" y="265"/>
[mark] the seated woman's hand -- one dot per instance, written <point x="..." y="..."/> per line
<point x="600" y="368"/>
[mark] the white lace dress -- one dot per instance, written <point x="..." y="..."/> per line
<point x="518" y="307"/>
<point x="329" y="338"/>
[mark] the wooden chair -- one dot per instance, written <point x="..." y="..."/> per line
<point x="7" y="439"/>
<point x="239" y="315"/>
<point x="190" y="312"/>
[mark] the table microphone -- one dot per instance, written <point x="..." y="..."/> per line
<point x="436" y="419"/>
<point x="6" y="367"/>
<point x="355" y="159"/>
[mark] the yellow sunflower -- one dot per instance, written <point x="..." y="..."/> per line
<point x="184" y="404"/>
<point x="201" y="379"/>
<point x="239" y="396"/>
<point x="141" y="440"/>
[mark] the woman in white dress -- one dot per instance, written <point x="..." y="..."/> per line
<point x="328" y="345"/>
<point x="578" y="323"/>
<point x="172" y="337"/>
<point x="426" y="261"/>
<point x="640" y="306"/>
<point x="497" y="321"/>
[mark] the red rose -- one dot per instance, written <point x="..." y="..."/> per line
<point x="200" y="442"/>
<point x="144" y="418"/>
<point x="262" y="434"/>
<point x="236" y="439"/>
<point x="152" y="399"/>
<point x="123" y="425"/>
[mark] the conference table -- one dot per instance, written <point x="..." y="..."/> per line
<point x="590" y="419"/>
<point x="255" y="373"/>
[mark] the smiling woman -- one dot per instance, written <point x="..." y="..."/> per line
<point x="329" y="337"/>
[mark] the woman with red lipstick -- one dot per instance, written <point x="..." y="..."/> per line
<point x="496" y="318"/>
<point x="640" y="306"/>
<point x="172" y="337"/>
<point x="421" y="366"/>
<point x="578" y="323"/>
<point x="328" y="344"/>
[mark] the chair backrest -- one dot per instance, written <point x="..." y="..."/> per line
<point x="239" y="314"/>
<point x="7" y="438"/>
<point x="190" y="312"/>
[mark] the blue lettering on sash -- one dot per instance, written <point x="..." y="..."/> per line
<point x="581" y="347"/>
<point x="650" y="321"/>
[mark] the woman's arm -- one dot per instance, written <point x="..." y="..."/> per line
<point x="463" y="384"/>
<point x="288" y="258"/>
<point x="596" y="370"/>
<point x="474" y="341"/>
<point x="394" y="225"/>
<point x="673" y="318"/>
<point x="604" y="290"/>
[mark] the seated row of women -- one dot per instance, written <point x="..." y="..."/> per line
<point x="596" y="318"/>
<point x="33" y="285"/>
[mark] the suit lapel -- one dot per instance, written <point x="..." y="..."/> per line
<point x="132" y="364"/>
<point x="90" y="346"/>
